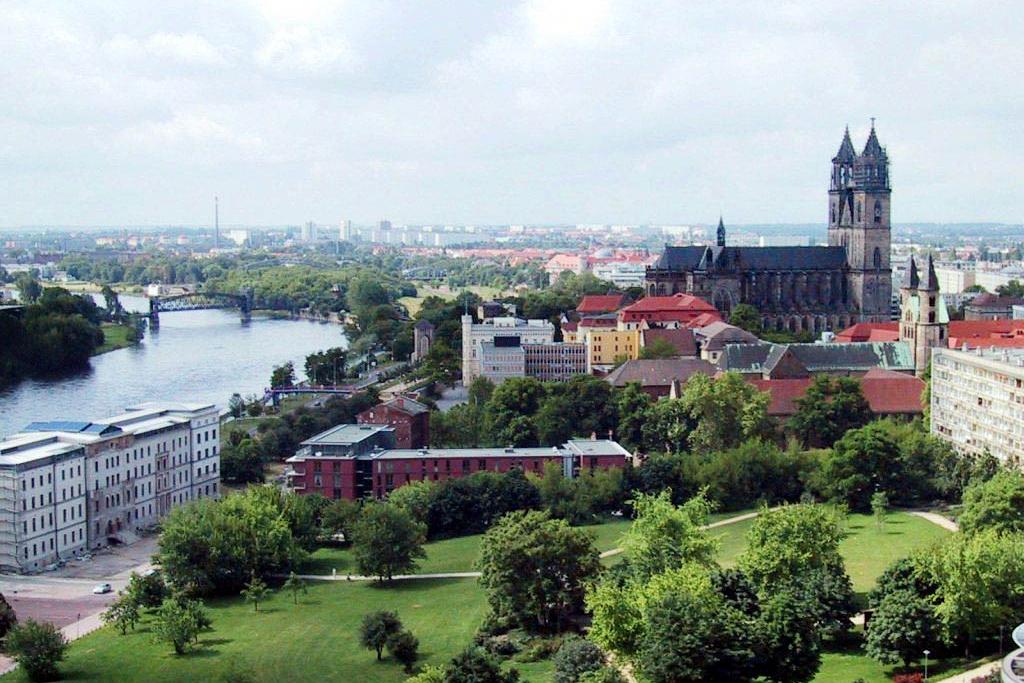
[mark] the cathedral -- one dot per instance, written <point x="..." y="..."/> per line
<point x="803" y="289"/>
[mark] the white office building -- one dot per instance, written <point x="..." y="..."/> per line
<point x="68" y="486"/>
<point x="508" y="331"/>
<point x="977" y="401"/>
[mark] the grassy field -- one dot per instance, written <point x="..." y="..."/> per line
<point x="866" y="549"/>
<point x="413" y="303"/>
<point x="317" y="640"/>
<point x="449" y="555"/>
<point x="115" y="337"/>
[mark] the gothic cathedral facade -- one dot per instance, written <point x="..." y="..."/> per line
<point x="803" y="289"/>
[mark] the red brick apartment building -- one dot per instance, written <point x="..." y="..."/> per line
<point x="411" y="420"/>
<point x="354" y="461"/>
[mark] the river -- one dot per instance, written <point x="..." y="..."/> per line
<point x="195" y="356"/>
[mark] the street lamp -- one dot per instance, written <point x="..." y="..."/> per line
<point x="926" y="653"/>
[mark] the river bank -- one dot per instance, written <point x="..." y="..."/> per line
<point x="116" y="337"/>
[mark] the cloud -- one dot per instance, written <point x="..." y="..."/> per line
<point x="306" y="51"/>
<point x="189" y="132"/>
<point x="189" y="48"/>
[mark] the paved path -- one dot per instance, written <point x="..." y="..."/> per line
<point x="967" y="676"/>
<point x="935" y="518"/>
<point x="713" y="525"/>
<point x="473" y="575"/>
<point x="72" y="631"/>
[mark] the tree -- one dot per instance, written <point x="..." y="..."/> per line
<point x="1013" y="288"/>
<point x="175" y="624"/>
<point x="605" y="674"/>
<point x="414" y="498"/>
<point x="975" y="578"/>
<point x="659" y="348"/>
<point x="340" y="517"/>
<point x="376" y="628"/>
<point x="746" y="317"/>
<point x="473" y="665"/>
<point x="37" y="648"/>
<point x="692" y="636"/>
<point x="830" y="407"/>
<point x="295" y="585"/>
<point x="576" y="657"/>
<point x="901" y="627"/>
<point x="668" y="426"/>
<point x="789" y="647"/>
<point x="879" y="507"/>
<point x="326" y="367"/>
<point x="632" y="404"/>
<point x="795" y="548"/>
<point x="428" y="674"/>
<point x="8" y="619"/>
<point x="995" y="504"/>
<point x="387" y="541"/>
<point x="727" y="411"/>
<point x="283" y="376"/>
<point x="442" y="364"/>
<point x="123" y="613"/>
<point x="255" y="592"/>
<point x="404" y="647"/>
<point x="29" y="289"/>
<point x="863" y="461"/>
<point x="236" y="406"/>
<point x="535" y="569"/>
<point x="147" y="590"/>
<point x="211" y="546"/>
<point x="664" y="536"/>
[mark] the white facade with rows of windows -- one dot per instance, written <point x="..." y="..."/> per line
<point x="66" y="487"/>
<point x="977" y="401"/>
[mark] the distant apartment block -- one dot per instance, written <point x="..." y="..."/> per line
<point x="977" y="401"/>
<point x="357" y="461"/>
<point x="68" y="486"/>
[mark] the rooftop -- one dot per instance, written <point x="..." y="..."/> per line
<point x="588" y="447"/>
<point x="346" y="434"/>
<point x="659" y="372"/>
<point x="601" y="303"/>
<point x="675" y="302"/>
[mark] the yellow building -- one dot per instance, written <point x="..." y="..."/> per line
<point x="606" y="345"/>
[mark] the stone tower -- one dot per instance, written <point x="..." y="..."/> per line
<point x="859" y="197"/>
<point x="924" y="321"/>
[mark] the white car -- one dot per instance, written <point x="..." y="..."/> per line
<point x="102" y="588"/>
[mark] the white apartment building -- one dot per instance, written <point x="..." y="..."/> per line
<point x="977" y="401"/>
<point x="506" y="329"/>
<point x="621" y="273"/>
<point x="42" y="501"/>
<point x="68" y="486"/>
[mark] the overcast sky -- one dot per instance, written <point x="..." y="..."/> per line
<point x="485" y="112"/>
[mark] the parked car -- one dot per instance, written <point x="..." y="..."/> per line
<point x="102" y="588"/>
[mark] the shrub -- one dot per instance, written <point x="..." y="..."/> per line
<point x="37" y="647"/>
<point x="576" y="657"/>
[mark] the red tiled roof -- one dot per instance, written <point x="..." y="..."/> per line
<point x="569" y="326"/>
<point x="599" y="321"/>
<point x="681" y="339"/>
<point x="869" y="332"/>
<point x="675" y="302"/>
<point x="887" y="392"/>
<point x="705" y="319"/>
<point x="601" y="303"/>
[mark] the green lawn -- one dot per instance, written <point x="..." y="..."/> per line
<point x="844" y="665"/>
<point x="866" y="549"/>
<point x="314" y="641"/>
<point x="115" y="337"/>
<point x="423" y="290"/>
<point x="449" y="555"/>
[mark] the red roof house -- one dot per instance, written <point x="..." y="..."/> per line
<point x="1002" y="333"/>
<point x="887" y="393"/>
<point x="601" y="303"/>
<point x="675" y="310"/>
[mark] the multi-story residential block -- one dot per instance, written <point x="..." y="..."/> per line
<point x="977" y="401"/>
<point x="509" y="330"/>
<point x="410" y="419"/>
<point x="350" y="467"/>
<point x="108" y="480"/>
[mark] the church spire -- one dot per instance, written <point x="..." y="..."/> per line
<point x="846" y="153"/>
<point x="933" y="279"/>
<point x="721" y="232"/>
<point x="912" y="279"/>
<point x="873" y="148"/>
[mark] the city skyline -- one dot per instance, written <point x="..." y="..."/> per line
<point x="535" y="112"/>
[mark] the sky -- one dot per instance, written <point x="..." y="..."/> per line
<point x="486" y="112"/>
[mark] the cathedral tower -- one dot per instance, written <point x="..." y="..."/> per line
<point x="924" y="321"/>
<point x="859" y="196"/>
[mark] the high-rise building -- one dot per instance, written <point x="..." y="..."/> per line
<point x="345" y="231"/>
<point x="977" y="401"/>
<point x="308" y="232"/>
